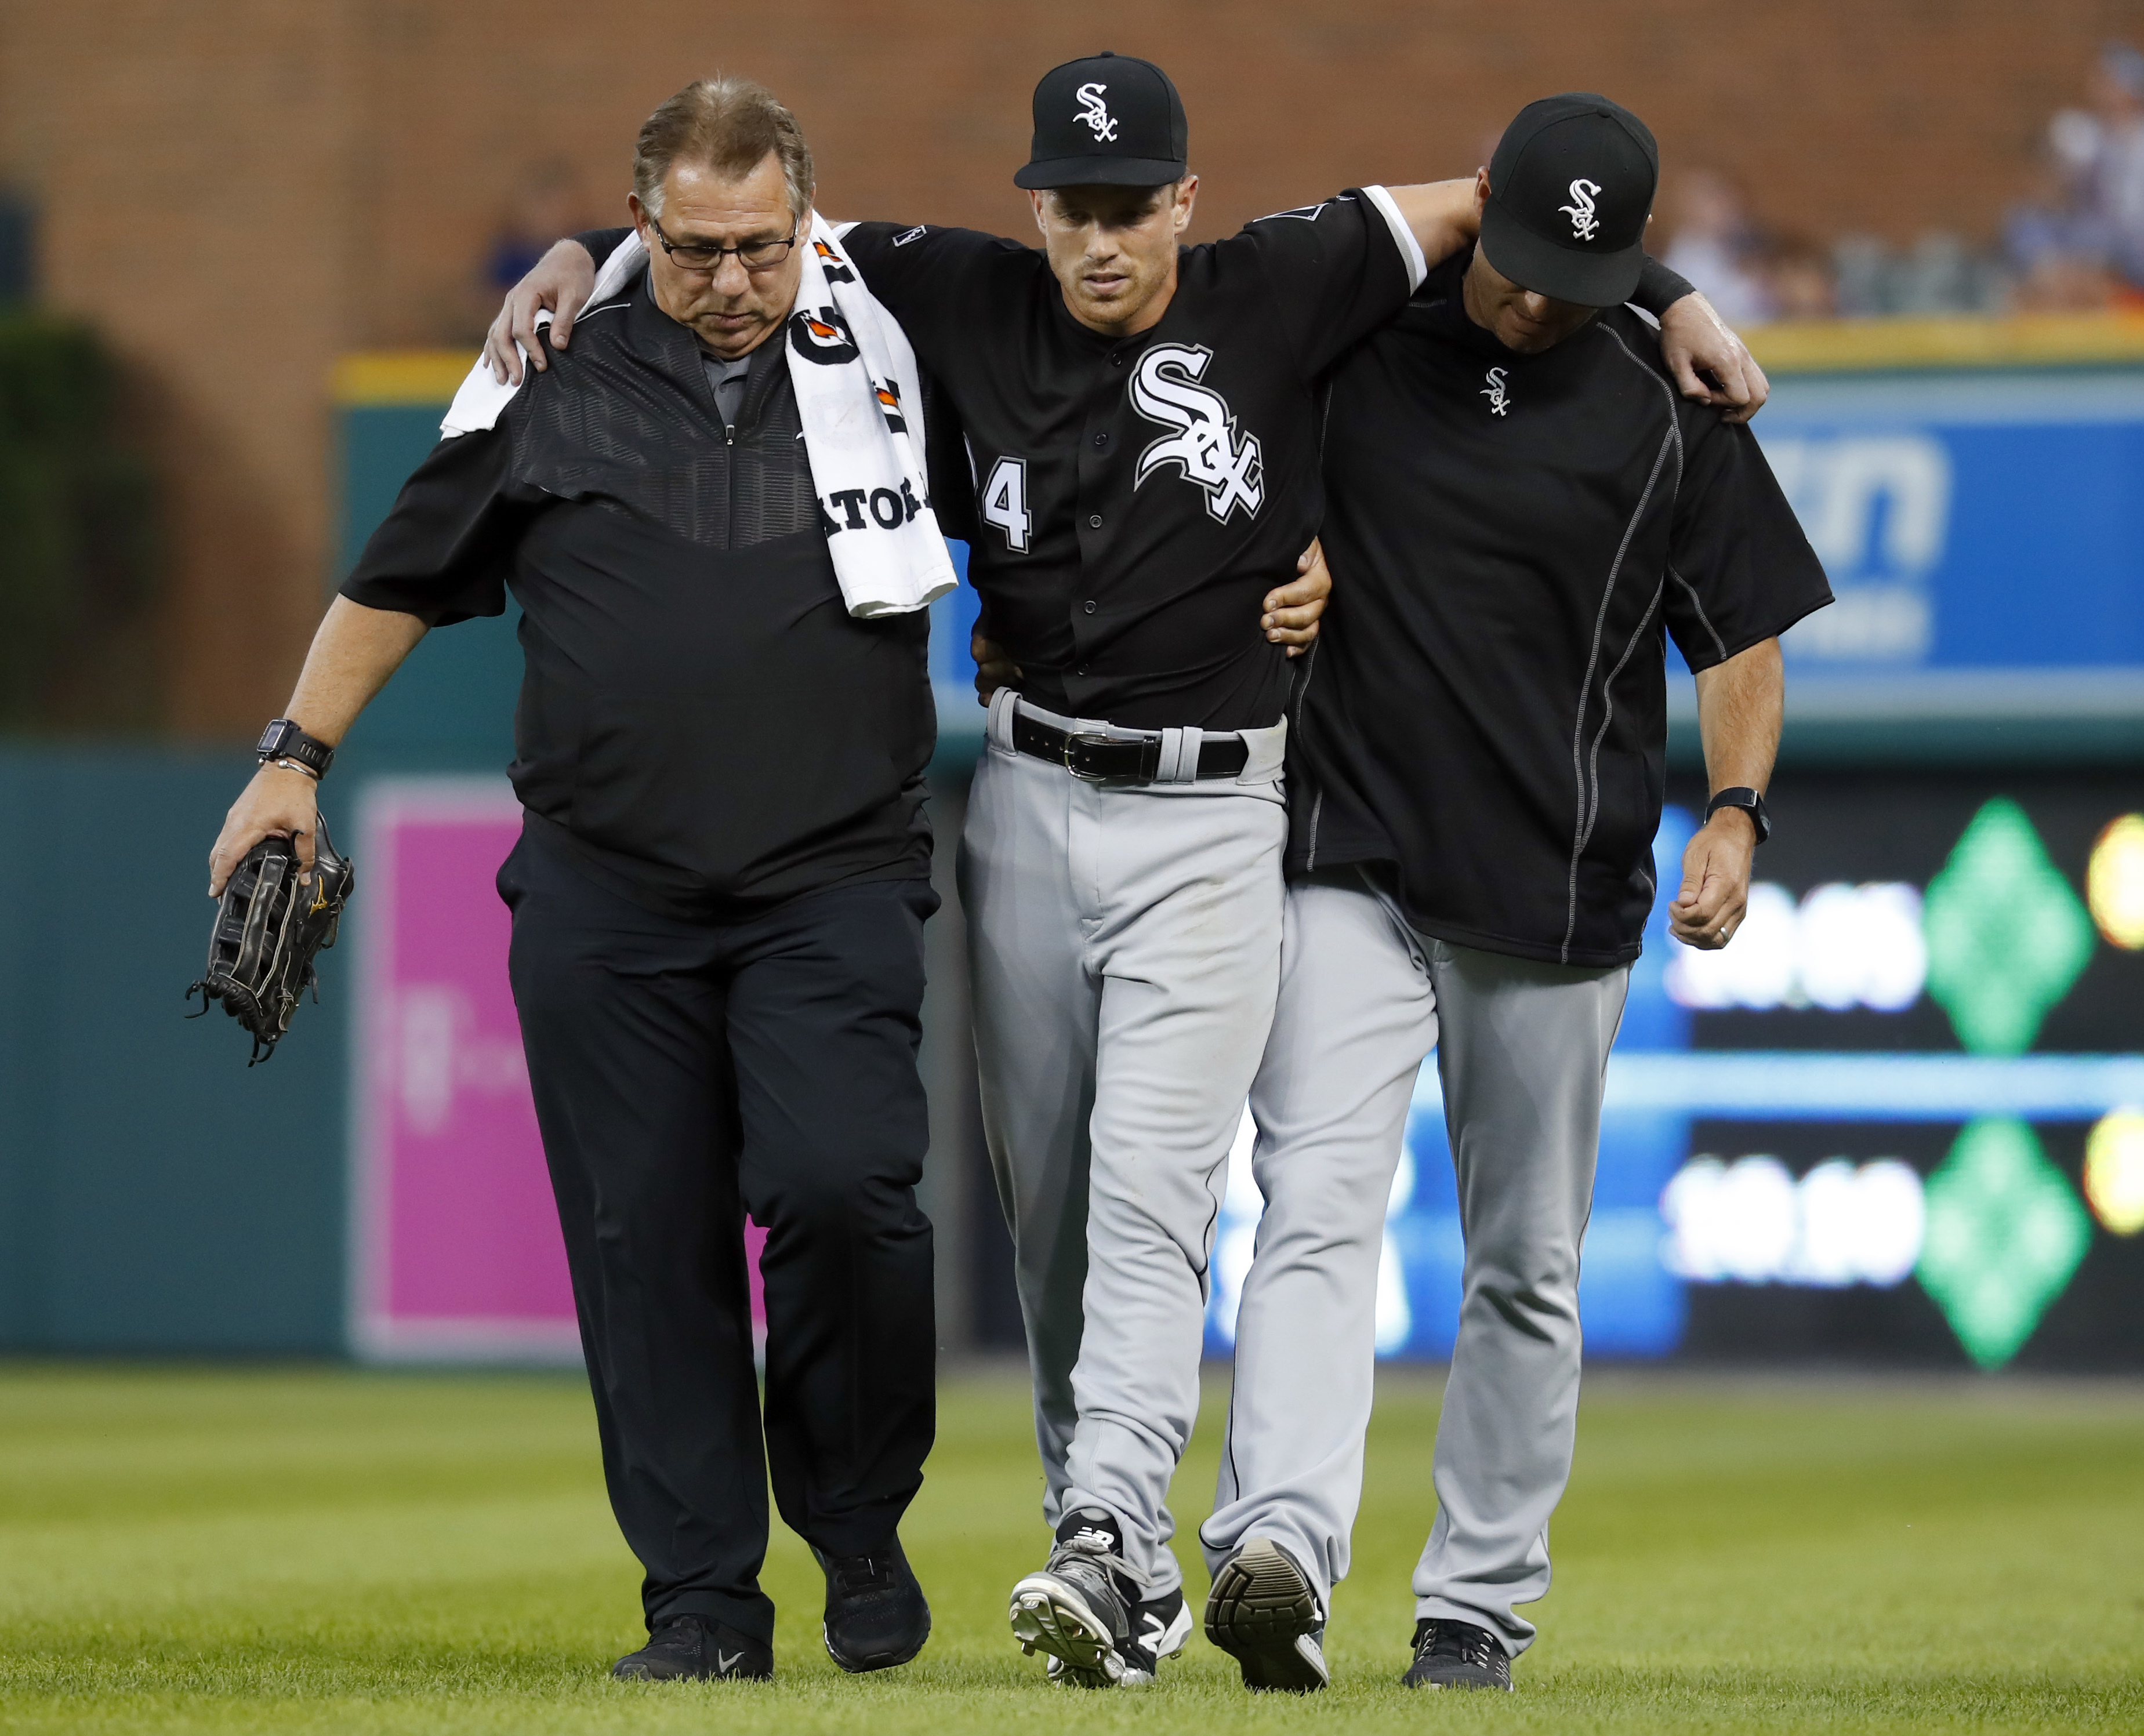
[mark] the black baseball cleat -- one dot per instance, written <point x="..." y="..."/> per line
<point x="876" y="1614"/>
<point x="1160" y="1626"/>
<point x="1456" y="1654"/>
<point x="697" y="1649"/>
<point x="1076" y="1609"/>
<point x="1263" y="1613"/>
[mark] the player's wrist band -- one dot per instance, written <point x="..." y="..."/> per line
<point x="287" y="764"/>
<point x="283" y="740"/>
<point x="1750" y="802"/>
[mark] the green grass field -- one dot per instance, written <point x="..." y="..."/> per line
<point x="329" y="1550"/>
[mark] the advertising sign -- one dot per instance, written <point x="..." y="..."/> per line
<point x="458" y="1252"/>
<point x="1968" y="522"/>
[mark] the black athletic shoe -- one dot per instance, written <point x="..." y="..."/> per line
<point x="876" y="1614"/>
<point x="1160" y="1626"/>
<point x="697" y="1649"/>
<point x="1262" y="1612"/>
<point x="1076" y="1609"/>
<point x="1457" y="1654"/>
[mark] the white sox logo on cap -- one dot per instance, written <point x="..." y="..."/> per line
<point x="1583" y="222"/>
<point x="1165" y="389"/>
<point x="1095" y="112"/>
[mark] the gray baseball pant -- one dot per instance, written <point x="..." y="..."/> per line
<point x="1125" y="948"/>
<point x="1521" y="1048"/>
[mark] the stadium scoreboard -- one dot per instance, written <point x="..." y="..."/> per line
<point x="1900" y="1119"/>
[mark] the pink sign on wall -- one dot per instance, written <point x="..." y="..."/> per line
<point x="458" y="1254"/>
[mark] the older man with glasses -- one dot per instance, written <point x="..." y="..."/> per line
<point x="718" y="894"/>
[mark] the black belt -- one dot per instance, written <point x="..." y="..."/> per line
<point x="1117" y="759"/>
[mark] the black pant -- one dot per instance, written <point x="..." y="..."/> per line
<point x="686" y="1074"/>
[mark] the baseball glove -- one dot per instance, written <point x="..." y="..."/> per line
<point x="268" y="930"/>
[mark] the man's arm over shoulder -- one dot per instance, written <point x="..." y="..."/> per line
<point x="558" y="283"/>
<point x="928" y="276"/>
<point x="1336" y="271"/>
<point x="1707" y="358"/>
<point x="599" y="243"/>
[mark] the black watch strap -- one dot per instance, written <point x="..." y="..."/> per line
<point x="283" y="740"/>
<point x="1750" y="801"/>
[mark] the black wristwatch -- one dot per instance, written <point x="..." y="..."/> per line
<point x="283" y="740"/>
<point x="1750" y="802"/>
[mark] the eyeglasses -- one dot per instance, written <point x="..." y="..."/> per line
<point x="698" y="256"/>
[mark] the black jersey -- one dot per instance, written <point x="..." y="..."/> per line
<point x="1485" y="711"/>
<point x="701" y="722"/>
<point x="1138" y="496"/>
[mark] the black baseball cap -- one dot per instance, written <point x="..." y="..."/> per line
<point x="1570" y="189"/>
<point x="1108" y="121"/>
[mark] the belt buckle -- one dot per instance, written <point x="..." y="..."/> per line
<point x="1085" y="738"/>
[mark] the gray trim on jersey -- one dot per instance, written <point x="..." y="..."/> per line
<point x="1704" y="620"/>
<point x="1124" y="944"/>
<point x="1589" y="789"/>
<point x="1523" y="1050"/>
<point x="1607" y="718"/>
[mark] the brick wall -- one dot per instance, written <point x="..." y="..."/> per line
<point x="239" y="190"/>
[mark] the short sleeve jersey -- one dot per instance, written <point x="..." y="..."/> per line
<point x="1485" y="714"/>
<point x="1137" y="496"/>
<point x="701" y="723"/>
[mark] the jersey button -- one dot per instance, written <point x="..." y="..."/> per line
<point x="1094" y="521"/>
<point x="1101" y="440"/>
<point x="1089" y="605"/>
<point x="1116" y="358"/>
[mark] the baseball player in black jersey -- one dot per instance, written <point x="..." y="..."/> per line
<point x="1142" y="425"/>
<point x="1518" y="505"/>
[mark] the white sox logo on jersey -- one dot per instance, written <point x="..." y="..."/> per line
<point x="1095" y="112"/>
<point x="1580" y="211"/>
<point x="1165" y="388"/>
<point x="1495" y="392"/>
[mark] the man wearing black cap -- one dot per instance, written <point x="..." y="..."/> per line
<point x="1518" y="505"/>
<point x="1143" y="426"/>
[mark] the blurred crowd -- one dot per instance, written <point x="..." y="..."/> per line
<point x="549" y="198"/>
<point x="2076" y="243"/>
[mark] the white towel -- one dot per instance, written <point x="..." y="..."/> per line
<point x="855" y="376"/>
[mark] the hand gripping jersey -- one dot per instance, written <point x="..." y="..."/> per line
<point x="1137" y="496"/>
